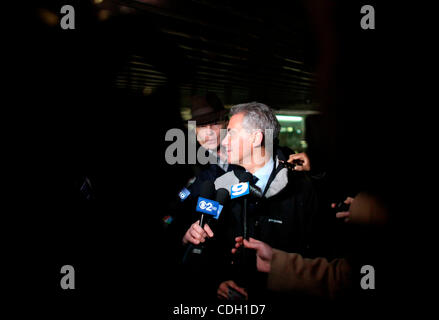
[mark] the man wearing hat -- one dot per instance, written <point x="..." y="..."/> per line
<point x="210" y="117"/>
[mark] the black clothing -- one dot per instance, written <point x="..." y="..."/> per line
<point x="286" y="218"/>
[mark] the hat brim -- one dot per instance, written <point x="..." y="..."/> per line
<point x="210" y="117"/>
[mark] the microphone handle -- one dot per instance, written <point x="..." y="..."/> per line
<point x="244" y="218"/>
<point x="189" y="249"/>
<point x="192" y="246"/>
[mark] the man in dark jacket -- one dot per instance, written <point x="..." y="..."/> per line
<point x="284" y="217"/>
<point x="208" y="118"/>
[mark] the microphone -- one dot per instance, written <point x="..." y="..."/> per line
<point x="245" y="176"/>
<point x="246" y="259"/>
<point x="207" y="191"/>
<point x="185" y="193"/>
<point x="242" y="189"/>
<point x="212" y="208"/>
<point x="221" y="197"/>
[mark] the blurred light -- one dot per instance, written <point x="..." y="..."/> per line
<point x="299" y="131"/>
<point x="185" y="113"/>
<point x="104" y="14"/>
<point x="290" y="129"/>
<point x="147" y="91"/>
<point x="126" y="10"/>
<point x="98" y="1"/>
<point x="289" y="118"/>
<point x="283" y="129"/>
<point x="48" y="17"/>
<point x="156" y="3"/>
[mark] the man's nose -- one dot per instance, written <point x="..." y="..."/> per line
<point x="225" y="141"/>
<point x="209" y="131"/>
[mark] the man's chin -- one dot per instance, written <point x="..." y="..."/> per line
<point x="232" y="161"/>
<point x="213" y="147"/>
<point x="210" y="146"/>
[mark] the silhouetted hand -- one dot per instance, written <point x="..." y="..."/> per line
<point x="305" y="166"/>
<point x="264" y="252"/>
<point x="344" y="214"/>
<point x="223" y="290"/>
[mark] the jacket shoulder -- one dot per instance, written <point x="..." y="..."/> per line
<point x="226" y="181"/>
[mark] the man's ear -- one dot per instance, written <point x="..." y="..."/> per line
<point x="258" y="137"/>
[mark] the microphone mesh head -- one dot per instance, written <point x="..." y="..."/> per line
<point x="222" y="195"/>
<point x="243" y="176"/>
<point x="207" y="189"/>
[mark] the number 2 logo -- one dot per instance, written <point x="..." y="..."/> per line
<point x="206" y="206"/>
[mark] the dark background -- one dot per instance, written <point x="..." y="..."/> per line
<point x="72" y="119"/>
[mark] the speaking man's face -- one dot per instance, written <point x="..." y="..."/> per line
<point x="238" y="141"/>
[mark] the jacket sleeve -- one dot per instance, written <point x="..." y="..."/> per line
<point x="317" y="277"/>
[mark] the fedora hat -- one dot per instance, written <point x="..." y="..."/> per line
<point x="207" y="109"/>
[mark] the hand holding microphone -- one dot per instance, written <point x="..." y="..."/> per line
<point x="342" y="209"/>
<point x="200" y="230"/>
<point x="197" y="234"/>
<point x="297" y="162"/>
